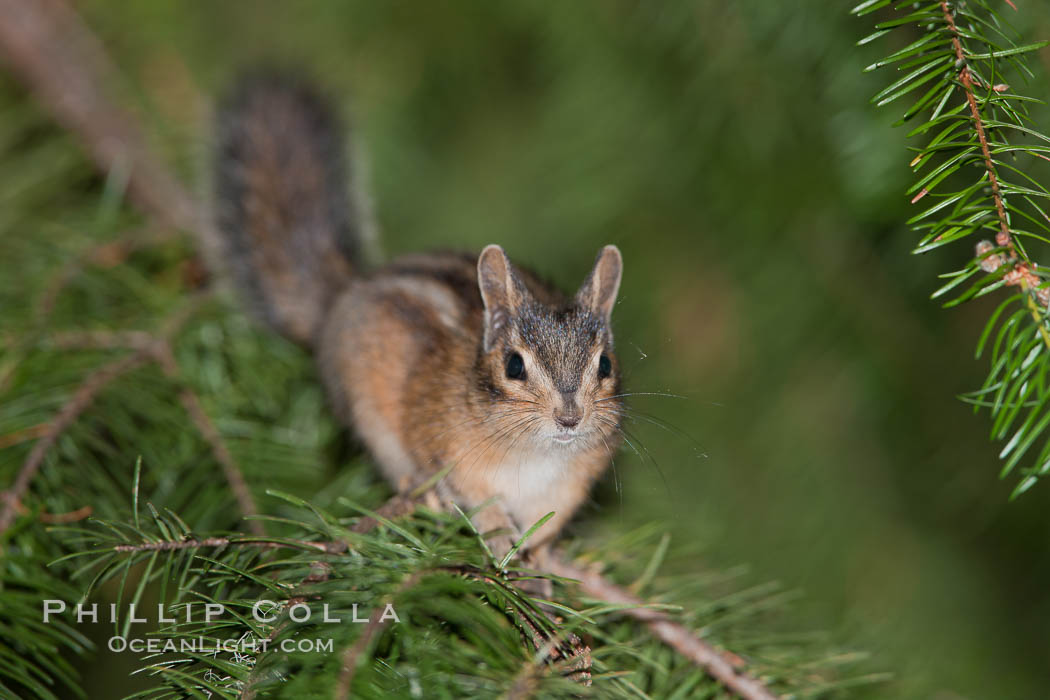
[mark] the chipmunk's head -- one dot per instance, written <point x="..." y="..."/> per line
<point x="549" y="368"/>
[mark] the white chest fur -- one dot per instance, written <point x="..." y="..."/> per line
<point x="532" y="484"/>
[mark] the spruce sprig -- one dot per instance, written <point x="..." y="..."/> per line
<point x="976" y="178"/>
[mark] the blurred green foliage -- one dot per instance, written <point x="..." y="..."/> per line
<point x="731" y="152"/>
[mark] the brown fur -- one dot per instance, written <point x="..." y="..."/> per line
<point x="289" y="233"/>
<point x="415" y="355"/>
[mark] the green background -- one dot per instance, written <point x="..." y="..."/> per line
<point x="730" y="150"/>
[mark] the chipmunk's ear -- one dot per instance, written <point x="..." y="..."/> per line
<point x="500" y="291"/>
<point x="598" y="292"/>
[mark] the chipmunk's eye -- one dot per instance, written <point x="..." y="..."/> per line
<point x="604" y="367"/>
<point x="515" y="366"/>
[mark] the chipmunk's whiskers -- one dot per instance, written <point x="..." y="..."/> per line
<point x="636" y="415"/>
<point x="641" y="393"/>
<point x="630" y="438"/>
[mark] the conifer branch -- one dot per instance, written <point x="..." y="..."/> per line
<point x="107" y="255"/>
<point x="146" y="347"/>
<point x="718" y="665"/>
<point x="1021" y="273"/>
<point x="963" y="46"/>
<point x="81" y="400"/>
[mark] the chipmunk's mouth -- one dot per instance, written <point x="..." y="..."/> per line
<point x="565" y="438"/>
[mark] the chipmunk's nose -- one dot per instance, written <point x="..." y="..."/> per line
<point x="567" y="420"/>
<point x="568" y="414"/>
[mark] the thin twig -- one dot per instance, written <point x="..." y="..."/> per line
<point x="675" y="635"/>
<point x="1003" y="238"/>
<point x="192" y="543"/>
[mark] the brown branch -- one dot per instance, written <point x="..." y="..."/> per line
<point x="211" y="435"/>
<point x="85" y="395"/>
<point x="718" y="665"/>
<point x="1022" y="273"/>
<point x="1003" y="238"/>
<point x="50" y="48"/>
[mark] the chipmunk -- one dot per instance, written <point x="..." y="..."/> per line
<point x="439" y="361"/>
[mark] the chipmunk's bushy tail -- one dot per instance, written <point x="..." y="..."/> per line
<point x="288" y="230"/>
